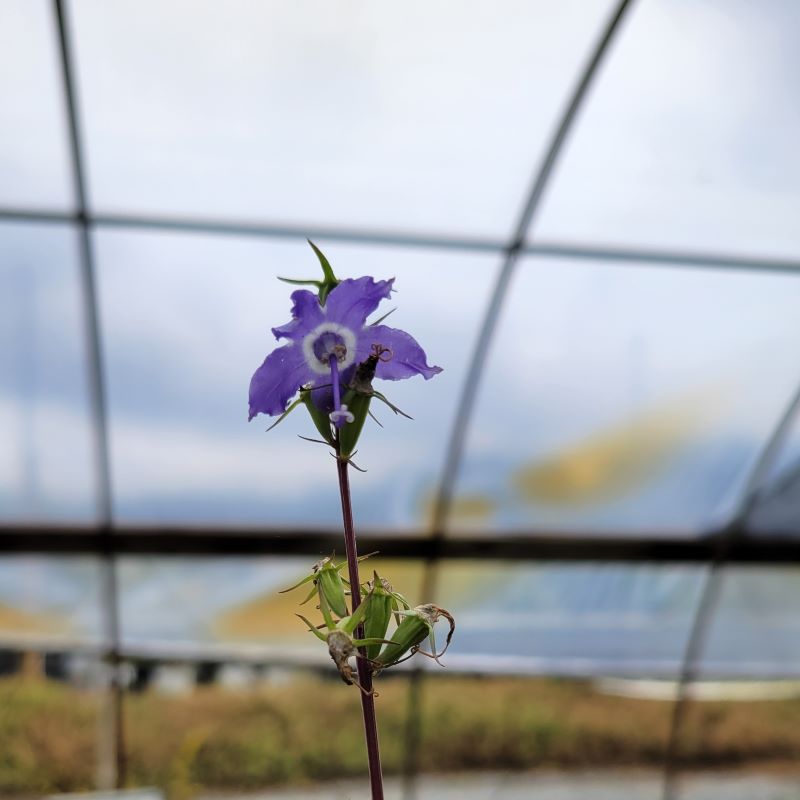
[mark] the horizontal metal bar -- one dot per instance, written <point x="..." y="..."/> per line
<point x="221" y="227"/>
<point x="310" y="230"/>
<point x="668" y="258"/>
<point x="42" y="216"/>
<point x="565" y="250"/>
<point x="539" y="545"/>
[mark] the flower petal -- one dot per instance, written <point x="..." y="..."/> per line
<point x="283" y="372"/>
<point x="353" y="300"/>
<point x="408" y="358"/>
<point x="306" y="315"/>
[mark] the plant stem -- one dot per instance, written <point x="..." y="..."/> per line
<point x="364" y="672"/>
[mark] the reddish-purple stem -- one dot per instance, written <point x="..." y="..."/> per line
<point x="364" y="673"/>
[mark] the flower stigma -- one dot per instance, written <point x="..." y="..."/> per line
<point x="338" y="418"/>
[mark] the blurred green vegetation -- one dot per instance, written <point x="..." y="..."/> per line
<point x="308" y="729"/>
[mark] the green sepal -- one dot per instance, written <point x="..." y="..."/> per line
<point x="312" y="593"/>
<point x="381" y="319"/>
<point x="286" y="413"/>
<point x="370" y="642"/>
<point x="313" y="629"/>
<point x="397" y="601"/>
<point x="300" y="282"/>
<point x="349" y="624"/>
<point x="325" y="286"/>
<point x="358" y="405"/>
<point x="331" y="281"/>
<point x="320" y="419"/>
<point x="305" y="580"/>
<point x="330" y="622"/>
<point x="391" y="405"/>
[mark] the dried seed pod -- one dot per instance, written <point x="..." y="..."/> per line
<point x="342" y="649"/>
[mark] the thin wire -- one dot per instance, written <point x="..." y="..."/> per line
<point x="109" y="589"/>
<point x="712" y="589"/>
<point x="468" y="395"/>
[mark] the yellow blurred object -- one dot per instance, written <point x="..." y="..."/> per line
<point x="464" y="508"/>
<point x="265" y="616"/>
<point x="18" y="621"/>
<point x="471" y="507"/>
<point x="613" y="462"/>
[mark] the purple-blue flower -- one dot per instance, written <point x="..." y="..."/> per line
<point x="337" y="329"/>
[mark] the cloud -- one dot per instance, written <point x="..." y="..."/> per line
<point x="687" y="140"/>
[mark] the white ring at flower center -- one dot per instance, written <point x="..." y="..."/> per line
<point x="348" y="337"/>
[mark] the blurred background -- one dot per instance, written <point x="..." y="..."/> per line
<point x="590" y="209"/>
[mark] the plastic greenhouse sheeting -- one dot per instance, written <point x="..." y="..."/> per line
<point x="636" y="365"/>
